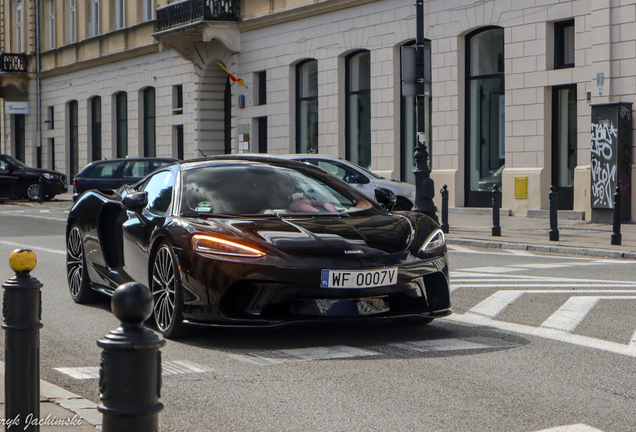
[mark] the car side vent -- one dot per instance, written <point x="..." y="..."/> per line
<point x="437" y="292"/>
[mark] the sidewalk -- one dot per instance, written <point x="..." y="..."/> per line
<point x="575" y="236"/>
<point x="70" y="411"/>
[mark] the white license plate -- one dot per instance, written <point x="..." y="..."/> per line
<point x="359" y="278"/>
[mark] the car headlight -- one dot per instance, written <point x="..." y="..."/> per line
<point x="216" y="245"/>
<point x="48" y="176"/>
<point x="434" y="242"/>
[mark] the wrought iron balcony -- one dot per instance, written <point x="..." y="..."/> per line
<point x="13" y="62"/>
<point x="189" y="11"/>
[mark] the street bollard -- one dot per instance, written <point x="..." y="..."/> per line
<point x="496" y="205"/>
<point x="616" y="235"/>
<point x="22" y="311"/>
<point x="444" y="193"/>
<point x="41" y="189"/>
<point x="130" y="367"/>
<point x="554" y="229"/>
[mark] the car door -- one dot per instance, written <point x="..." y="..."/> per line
<point x="102" y="175"/>
<point x="8" y="180"/>
<point x="140" y="225"/>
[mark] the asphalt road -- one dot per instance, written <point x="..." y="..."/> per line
<point x="535" y="342"/>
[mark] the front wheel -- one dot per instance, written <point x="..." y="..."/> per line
<point x="32" y="191"/>
<point x="167" y="293"/>
<point x="78" y="283"/>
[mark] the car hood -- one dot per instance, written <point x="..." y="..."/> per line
<point x="38" y="172"/>
<point x="329" y="235"/>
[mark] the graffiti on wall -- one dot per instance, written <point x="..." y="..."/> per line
<point x="603" y="165"/>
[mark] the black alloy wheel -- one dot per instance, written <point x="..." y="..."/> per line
<point x="167" y="294"/>
<point x="78" y="283"/>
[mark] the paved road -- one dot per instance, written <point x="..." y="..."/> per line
<point x="536" y="343"/>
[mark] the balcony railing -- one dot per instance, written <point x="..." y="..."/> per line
<point x="13" y="62"/>
<point x="197" y="10"/>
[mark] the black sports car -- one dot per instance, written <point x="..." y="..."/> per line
<point x="238" y="240"/>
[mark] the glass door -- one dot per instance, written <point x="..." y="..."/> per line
<point x="564" y="144"/>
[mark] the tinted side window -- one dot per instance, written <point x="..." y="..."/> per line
<point x="338" y="170"/>
<point x="136" y="169"/>
<point x="159" y="188"/>
<point x="4" y="165"/>
<point x="107" y="169"/>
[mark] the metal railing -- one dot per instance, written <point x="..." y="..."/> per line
<point x="197" y="10"/>
<point x="13" y="62"/>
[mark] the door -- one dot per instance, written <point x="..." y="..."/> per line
<point x="140" y="226"/>
<point x="564" y="144"/>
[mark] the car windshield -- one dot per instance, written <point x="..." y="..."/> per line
<point x="255" y="188"/>
<point x="16" y="162"/>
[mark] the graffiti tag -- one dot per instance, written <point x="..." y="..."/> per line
<point x="602" y="166"/>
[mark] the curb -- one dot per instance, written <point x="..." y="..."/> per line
<point x="570" y="250"/>
<point x="84" y="408"/>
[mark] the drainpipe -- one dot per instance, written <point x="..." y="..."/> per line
<point x="37" y="71"/>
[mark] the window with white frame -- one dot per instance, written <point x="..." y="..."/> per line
<point x="18" y="26"/>
<point x="147" y="10"/>
<point x="72" y="12"/>
<point x="119" y="14"/>
<point x="51" y="24"/>
<point x="93" y="24"/>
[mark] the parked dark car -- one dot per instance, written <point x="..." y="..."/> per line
<point x="18" y="180"/>
<point x="256" y="241"/>
<point x="110" y="174"/>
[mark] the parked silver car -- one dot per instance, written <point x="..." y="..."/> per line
<point x="362" y="179"/>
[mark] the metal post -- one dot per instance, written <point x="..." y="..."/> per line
<point x="130" y="368"/>
<point x="424" y="185"/>
<point x="41" y="189"/>
<point x="554" y="229"/>
<point x="616" y="235"/>
<point x="444" y="193"/>
<point x="496" y="205"/>
<point x="22" y="311"/>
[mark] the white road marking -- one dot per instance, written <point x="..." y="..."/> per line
<point x="572" y="428"/>
<point x="34" y="216"/>
<point x="263" y="358"/>
<point x="493" y="269"/>
<point x="33" y="248"/>
<point x="540" y="266"/>
<point x="546" y="285"/>
<point x="546" y="333"/>
<point x="497" y="302"/>
<point x="167" y="368"/>
<point x="574" y="311"/>
<point x="520" y="252"/>
<point x="437" y="345"/>
<point x="571" y="314"/>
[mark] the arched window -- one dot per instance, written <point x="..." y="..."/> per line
<point x="96" y="128"/>
<point x="307" y="106"/>
<point x="358" y="108"/>
<point x="150" y="149"/>
<point x="485" y="108"/>
<point x="121" y="126"/>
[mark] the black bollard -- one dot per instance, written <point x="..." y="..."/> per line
<point x="22" y="311"/>
<point x="616" y="235"/>
<point x="444" y="193"/>
<point x="554" y="229"/>
<point x="41" y="188"/>
<point x="130" y="368"/>
<point x="496" y="205"/>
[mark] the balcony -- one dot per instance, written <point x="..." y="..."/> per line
<point x="194" y="11"/>
<point x="182" y="25"/>
<point x="13" y="62"/>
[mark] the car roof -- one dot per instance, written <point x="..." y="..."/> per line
<point x="233" y="158"/>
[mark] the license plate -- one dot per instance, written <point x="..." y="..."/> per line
<point x="359" y="278"/>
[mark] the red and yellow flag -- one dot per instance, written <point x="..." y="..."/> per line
<point x="232" y="77"/>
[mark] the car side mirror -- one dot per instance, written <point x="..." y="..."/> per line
<point x="361" y="179"/>
<point x="385" y="197"/>
<point x="135" y="201"/>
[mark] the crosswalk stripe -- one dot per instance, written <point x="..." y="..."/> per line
<point x="436" y="345"/>
<point x="571" y="314"/>
<point x="264" y="358"/>
<point x="572" y="428"/>
<point x="497" y="302"/>
<point x="167" y="368"/>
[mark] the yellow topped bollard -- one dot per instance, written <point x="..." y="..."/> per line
<point x="22" y="313"/>
<point x="22" y="260"/>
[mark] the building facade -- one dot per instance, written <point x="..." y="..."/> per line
<point x="512" y="85"/>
